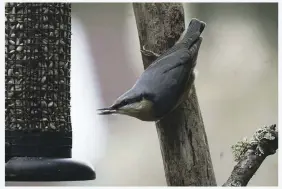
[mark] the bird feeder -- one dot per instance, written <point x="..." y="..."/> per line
<point x="38" y="131"/>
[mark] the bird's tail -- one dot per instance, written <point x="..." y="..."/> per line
<point x="106" y="111"/>
<point x="192" y="33"/>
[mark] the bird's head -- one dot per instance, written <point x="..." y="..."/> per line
<point x="132" y="104"/>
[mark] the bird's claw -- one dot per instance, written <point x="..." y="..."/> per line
<point x="146" y="52"/>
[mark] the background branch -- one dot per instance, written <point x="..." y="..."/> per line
<point x="251" y="153"/>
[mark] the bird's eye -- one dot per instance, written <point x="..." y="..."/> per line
<point x="125" y="102"/>
<point x="147" y="96"/>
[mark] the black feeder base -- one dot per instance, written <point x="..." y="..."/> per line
<point x="42" y="156"/>
<point x="47" y="169"/>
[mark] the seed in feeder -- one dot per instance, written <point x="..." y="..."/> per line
<point x="61" y="26"/>
<point x="11" y="47"/>
<point x="10" y="72"/>
<point x="52" y="126"/>
<point x="46" y="10"/>
<point x="45" y="26"/>
<point x="12" y="19"/>
<point x="18" y="57"/>
<point x="20" y="120"/>
<point x="62" y="72"/>
<point x="61" y="63"/>
<point x="18" y="88"/>
<point x="45" y="18"/>
<point x="13" y="10"/>
<point x="18" y="26"/>
<point x="19" y="48"/>
<point x="43" y="79"/>
<point x="12" y="42"/>
<point x="12" y="51"/>
<point x="19" y="81"/>
<point x="50" y="72"/>
<point x="43" y="103"/>
<point x="66" y="65"/>
<point x="61" y="50"/>
<point x="18" y="41"/>
<point x="56" y="32"/>
<point x="12" y="89"/>
<point x="50" y="104"/>
<point x="13" y="56"/>
<point x="46" y="49"/>
<point x="62" y="42"/>
<point x="10" y="94"/>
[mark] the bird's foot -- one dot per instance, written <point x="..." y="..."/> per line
<point x="149" y="53"/>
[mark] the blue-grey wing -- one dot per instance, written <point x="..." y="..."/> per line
<point x="165" y="80"/>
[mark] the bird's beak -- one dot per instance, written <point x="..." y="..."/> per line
<point x="106" y="111"/>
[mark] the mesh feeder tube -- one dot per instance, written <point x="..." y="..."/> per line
<point x="38" y="132"/>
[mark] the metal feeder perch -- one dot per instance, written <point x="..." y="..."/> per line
<point x="38" y="128"/>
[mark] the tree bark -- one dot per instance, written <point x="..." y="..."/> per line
<point x="182" y="136"/>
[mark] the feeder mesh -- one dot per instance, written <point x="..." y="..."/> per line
<point x="37" y="66"/>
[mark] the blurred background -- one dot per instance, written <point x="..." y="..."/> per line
<point x="237" y="87"/>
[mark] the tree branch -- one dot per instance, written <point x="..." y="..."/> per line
<point x="182" y="135"/>
<point x="251" y="153"/>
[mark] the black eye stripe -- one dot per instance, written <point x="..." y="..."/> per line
<point x="129" y="101"/>
<point x="132" y="100"/>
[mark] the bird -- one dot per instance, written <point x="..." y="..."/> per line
<point x="166" y="83"/>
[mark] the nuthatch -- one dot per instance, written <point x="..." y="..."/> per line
<point x="166" y="83"/>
